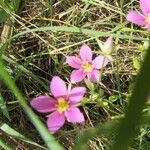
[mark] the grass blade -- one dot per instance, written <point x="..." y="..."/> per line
<point x="4" y="146"/>
<point x="4" y="108"/>
<point x="133" y="114"/>
<point x="106" y="129"/>
<point x="24" y="70"/>
<point x="7" y="129"/>
<point x="77" y="30"/>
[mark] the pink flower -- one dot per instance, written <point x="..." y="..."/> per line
<point x="63" y="105"/>
<point x="85" y="66"/>
<point x="141" y="19"/>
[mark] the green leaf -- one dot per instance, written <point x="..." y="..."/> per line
<point x="133" y="115"/>
<point x="113" y="98"/>
<point x="3" y="16"/>
<point x="102" y="103"/>
<point x="136" y="64"/>
<point x="15" y="4"/>
<point x="101" y="92"/>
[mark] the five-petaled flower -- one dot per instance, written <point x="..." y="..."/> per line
<point x="63" y="105"/>
<point x="85" y="66"/>
<point x="141" y="19"/>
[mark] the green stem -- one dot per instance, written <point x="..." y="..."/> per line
<point x="118" y="81"/>
<point x="122" y="11"/>
<point x="47" y="137"/>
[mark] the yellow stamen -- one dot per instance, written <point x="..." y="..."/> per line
<point x="148" y="19"/>
<point x="87" y="67"/>
<point x="62" y="105"/>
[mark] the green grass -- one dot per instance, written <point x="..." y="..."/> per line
<point x="36" y="36"/>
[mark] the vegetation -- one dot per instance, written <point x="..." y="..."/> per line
<point x="36" y="38"/>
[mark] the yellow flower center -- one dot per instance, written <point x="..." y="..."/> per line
<point x="87" y="67"/>
<point x="62" y="105"/>
<point x="148" y="19"/>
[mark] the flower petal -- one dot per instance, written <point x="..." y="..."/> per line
<point x="58" y="87"/>
<point x="77" y="94"/>
<point x="77" y="76"/>
<point x="86" y="53"/>
<point x="100" y="61"/>
<point x="74" y="62"/>
<point x="43" y="104"/>
<point x="145" y="6"/>
<point x="55" y="121"/>
<point x="136" y="18"/>
<point x="94" y="76"/>
<point x="74" y="115"/>
<point x="108" y="44"/>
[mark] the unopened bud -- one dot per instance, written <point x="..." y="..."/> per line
<point x="108" y="46"/>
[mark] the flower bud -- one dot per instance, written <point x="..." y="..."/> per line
<point x="108" y="46"/>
